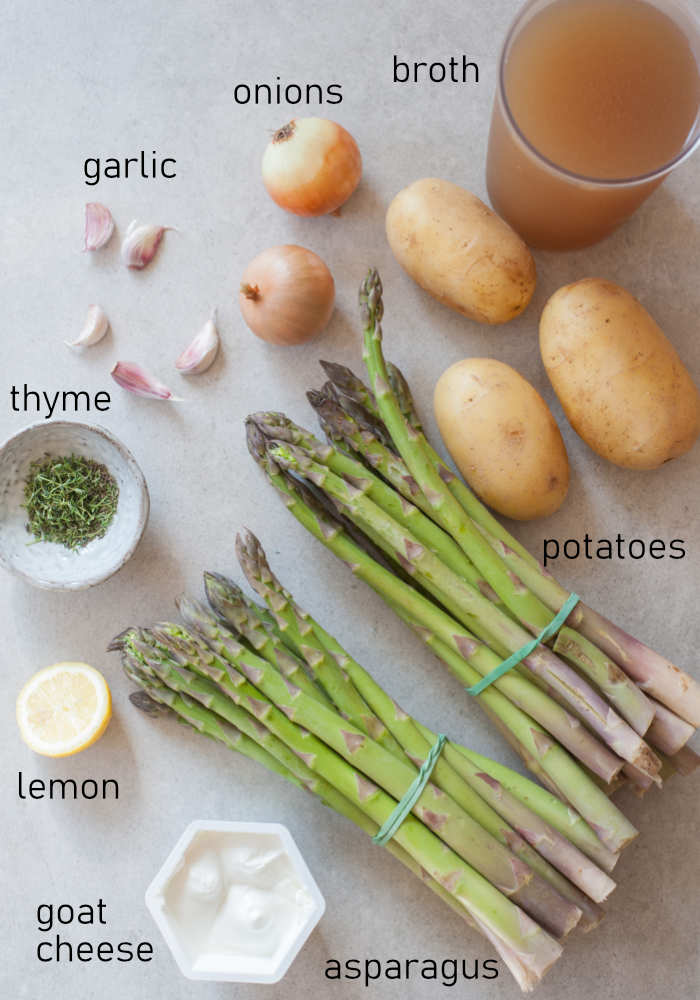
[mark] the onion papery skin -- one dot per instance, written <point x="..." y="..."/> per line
<point x="287" y="295"/>
<point x="311" y="166"/>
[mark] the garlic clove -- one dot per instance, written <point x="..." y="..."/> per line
<point x="200" y="354"/>
<point x="95" y="327"/>
<point x="141" y="243"/>
<point x="136" y="379"/>
<point x="99" y="225"/>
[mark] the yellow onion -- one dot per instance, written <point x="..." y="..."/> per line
<point x="286" y="295"/>
<point x="311" y="166"/>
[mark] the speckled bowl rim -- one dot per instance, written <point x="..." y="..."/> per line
<point x="143" y="511"/>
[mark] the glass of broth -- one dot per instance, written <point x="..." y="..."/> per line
<point x="598" y="101"/>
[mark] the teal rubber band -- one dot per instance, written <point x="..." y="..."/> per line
<point x="519" y="655"/>
<point x="403" y="808"/>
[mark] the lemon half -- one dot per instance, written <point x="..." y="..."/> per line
<point x="63" y="709"/>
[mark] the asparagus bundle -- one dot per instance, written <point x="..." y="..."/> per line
<point x="507" y="855"/>
<point x="472" y="592"/>
<point x="460" y="651"/>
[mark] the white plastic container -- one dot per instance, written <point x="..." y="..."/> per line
<point x="235" y="902"/>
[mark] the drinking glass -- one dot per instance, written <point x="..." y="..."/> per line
<point x="549" y="206"/>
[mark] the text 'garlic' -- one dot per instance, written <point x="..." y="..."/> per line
<point x="141" y="243"/>
<point x="134" y="378"/>
<point x="200" y="354"/>
<point x="95" y="327"/>
<point x="99" y="225"/>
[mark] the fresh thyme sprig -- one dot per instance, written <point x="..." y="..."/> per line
<point x="70" y="500"/>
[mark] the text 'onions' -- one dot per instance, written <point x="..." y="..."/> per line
<point x="287" y="295"/>
<point x="311" y="166"/>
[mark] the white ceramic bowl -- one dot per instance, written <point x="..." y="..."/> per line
<point x="52" y="566"/>
<point x="272" y="835"/>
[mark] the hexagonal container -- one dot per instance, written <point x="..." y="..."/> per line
<point x="164" y="899"/>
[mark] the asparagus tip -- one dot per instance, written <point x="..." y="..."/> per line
<point x="118" y="642"/>
<point x="315" y="397"/>
<point x="216" y="585"/>
<point x="340" y="376"/>
<point x="371" y="305"/>
<point x="145" y="703"/>
<point x="193" y="612"/>
<point x="256" y="440"/>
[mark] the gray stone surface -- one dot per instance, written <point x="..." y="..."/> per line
<point x="103" y="79"/>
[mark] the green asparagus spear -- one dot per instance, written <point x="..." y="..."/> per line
<point x="277" y="426"/>
<point x="474" y="610"/>
<point x="487" y="904"/>
<point x="532" y="699"/>
<point x="230" y="604"/>
<point x="657" y="676"/>
<point x="618" y="687"/>
<point x="559" y="816"/>
<point x="573" y="782"/>
<point x="474" y="787"/>
<point x="206" y="722"/>
<point x="293" y="622"/>
<point x="438" y="811"/>
<point x="295" y="771"/>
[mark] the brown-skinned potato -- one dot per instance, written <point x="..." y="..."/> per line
<point x="619" y="379"/>
<point x="455" y="247"/>
<point x="502" y="437"/>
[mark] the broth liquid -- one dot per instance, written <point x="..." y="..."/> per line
<point x="607" y="89"/>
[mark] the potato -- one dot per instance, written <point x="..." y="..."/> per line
<point x="502" y="437"/>
<point x="619" y="380"/>
<point x="460" y="251"/>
